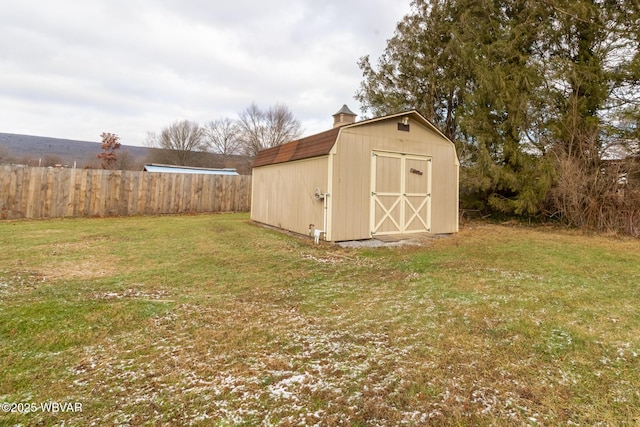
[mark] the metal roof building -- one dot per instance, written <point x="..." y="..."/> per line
<point x="154" y="167"/>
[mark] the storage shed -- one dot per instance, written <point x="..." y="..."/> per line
<point x="396" y="174"/>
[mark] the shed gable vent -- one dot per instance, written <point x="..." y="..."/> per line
<point x="404" y="124"/>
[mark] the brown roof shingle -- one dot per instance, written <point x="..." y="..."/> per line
<point x="312" y="146"/>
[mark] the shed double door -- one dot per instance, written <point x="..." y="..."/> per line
<point x="400" y="193"/>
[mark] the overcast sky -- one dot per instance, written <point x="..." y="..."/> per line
<point x="74" y="69"/>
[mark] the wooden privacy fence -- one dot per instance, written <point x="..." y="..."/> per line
<point x="53" y="193"/>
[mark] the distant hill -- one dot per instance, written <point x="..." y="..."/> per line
<point x="41" y="150"/>
<point x="45" y="151"/>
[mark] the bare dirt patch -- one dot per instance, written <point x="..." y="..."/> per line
<point x="81" y="269"/>
<point x="420" y="239"/>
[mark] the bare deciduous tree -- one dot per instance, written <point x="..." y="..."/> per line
<point x="5" y="155"/>
<point x="127" y="161"/>
<point x="264" y="129"/>
<point x="181" y="142"/>
<point x="222" y="136"/>
<point x="51" y="160"/>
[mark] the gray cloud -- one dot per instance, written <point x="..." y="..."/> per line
<point x="75" y="69"/>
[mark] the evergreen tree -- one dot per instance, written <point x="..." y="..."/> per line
<point x="528" y="90"/>
<point x="422" y="68"/>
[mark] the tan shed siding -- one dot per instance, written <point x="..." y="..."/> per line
<point x="444" y="190"/>
<point x="284" y="194"/>
<point x="350" y="199"/>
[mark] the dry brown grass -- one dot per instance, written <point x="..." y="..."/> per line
<point x="210" y="320"/>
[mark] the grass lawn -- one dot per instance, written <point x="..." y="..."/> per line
<point x="211" y="320"/>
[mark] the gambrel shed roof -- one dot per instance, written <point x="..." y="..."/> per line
<point x="312" y="146"/>
<point x="321" y="143"/>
